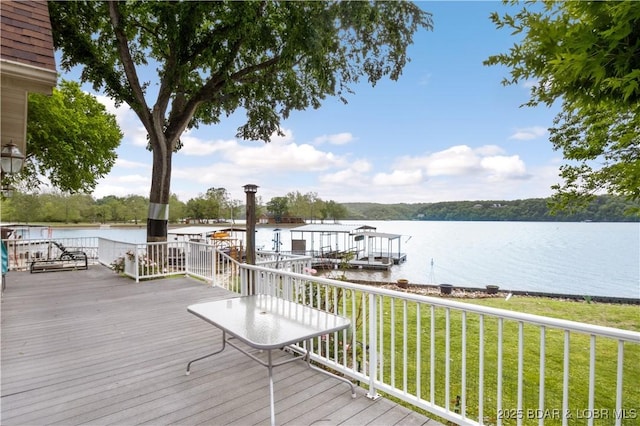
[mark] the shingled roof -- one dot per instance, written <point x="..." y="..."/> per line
<point x="25" y="33"/>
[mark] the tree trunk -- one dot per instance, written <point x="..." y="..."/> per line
<point x="158" y="218"/>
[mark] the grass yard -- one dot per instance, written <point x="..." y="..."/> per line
<point x="417" y="373"/>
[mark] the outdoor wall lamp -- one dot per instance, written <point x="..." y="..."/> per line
<point x="11" y="159"/>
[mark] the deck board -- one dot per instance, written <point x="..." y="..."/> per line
<point x="91" y="347"/>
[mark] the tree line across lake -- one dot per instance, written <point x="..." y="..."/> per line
<point x="601" y="209"/>
<point x="79" y="208"/>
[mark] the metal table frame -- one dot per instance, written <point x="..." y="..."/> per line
<point x="266" y="323"/>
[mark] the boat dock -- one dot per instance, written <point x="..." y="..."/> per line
<point x="334" y="246"/>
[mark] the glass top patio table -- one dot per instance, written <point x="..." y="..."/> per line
<point x="267" y="322"/>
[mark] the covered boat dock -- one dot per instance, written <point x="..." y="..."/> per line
<point x="347" y="246"/>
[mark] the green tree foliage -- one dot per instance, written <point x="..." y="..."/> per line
<point x="278" y="207"/>
<point x="136" y="206"/>
<point x="306" y="206"/>
<point x="217" y="201"/>
<point x="196" y="208"/>
<point x="265" y="59"/>
<point x="72" y="139"/>
<point x="586" y="54"/>
<point x="212" y="205"/>
<point x="333" y="211"/>
<point x="65" y="208"/>
<point x="21" y="207"/>
<point x="81" y="208"/>
<point x="602" y="208"/>
<point x="177" y="209"/>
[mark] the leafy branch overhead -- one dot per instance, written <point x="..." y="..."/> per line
<point x="263" y="58"/>
<point x="215" y="57"/>
<point x="585" y="54"/>
<point x="72" y="139"/>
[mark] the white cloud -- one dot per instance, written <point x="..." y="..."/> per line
<point x="454" y="161"/>
<point x="398" y="178"/>
<point x="353" y="175"/>
<point x="127" y="120"/>
<point x="335" y="139"/>
<point x="503" y="167"/>
<point x="285" y="138"/>
<point x="121" y="186"/>
<point x="286" y="158"/>
<point x="121" y="112"/>
<point x="459" y="161"/>
<point x="529" y="133"/>
<point x="194" y="146"/>
<point x="342" y="177"/>
<point x="487" y="150"/>
<point x="361" y="166"/>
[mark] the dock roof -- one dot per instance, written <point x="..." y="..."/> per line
<point x="204" y="230"/>
<point x="331" y="227"/>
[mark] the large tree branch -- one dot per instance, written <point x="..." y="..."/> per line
<point x="212" y="90"/>
<point x="122" y="45"/>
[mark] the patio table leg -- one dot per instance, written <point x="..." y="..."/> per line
<point x="224" y="342"/>
<point x="271" y="399"/>
<point x="335" y="376"/>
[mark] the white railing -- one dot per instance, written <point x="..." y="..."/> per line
<point x="109" y="251"/>
<point x="469" y="364"/>
<point x="22" y="252"/>
<point x="285" y="261"/>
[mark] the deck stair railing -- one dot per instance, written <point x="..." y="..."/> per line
<point x="466" y="363"/>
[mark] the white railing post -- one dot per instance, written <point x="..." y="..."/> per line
<point x="377" y="339"/>
<point x="565" y="380"/>
<point x="373" y="347"/>
<point x="541" y="383"/>
<point x="619" y="376"/>
<point x="187" y="250"/>
<point x="214" y="266"/>
<point x="136" y="268"/>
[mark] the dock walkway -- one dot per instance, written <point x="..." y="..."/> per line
<point x="91" y="347"/>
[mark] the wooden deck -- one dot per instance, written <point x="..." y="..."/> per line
<point x="90" y="347"/>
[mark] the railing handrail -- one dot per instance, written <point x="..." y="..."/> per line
<point x="376" y="351"/>
<point x="626" y="335"/>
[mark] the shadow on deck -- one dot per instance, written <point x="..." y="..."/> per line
<point x="90" y="347"/>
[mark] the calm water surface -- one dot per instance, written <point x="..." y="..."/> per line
<point x="572" y="258"/>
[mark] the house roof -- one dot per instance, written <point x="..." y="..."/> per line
<point x="26" y="34"/>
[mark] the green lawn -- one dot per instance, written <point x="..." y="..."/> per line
<point x="412" y="363"/>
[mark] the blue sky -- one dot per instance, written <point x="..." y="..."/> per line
<point x="447" y="130"/>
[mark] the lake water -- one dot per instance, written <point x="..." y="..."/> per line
<point x="597" y="259"/>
